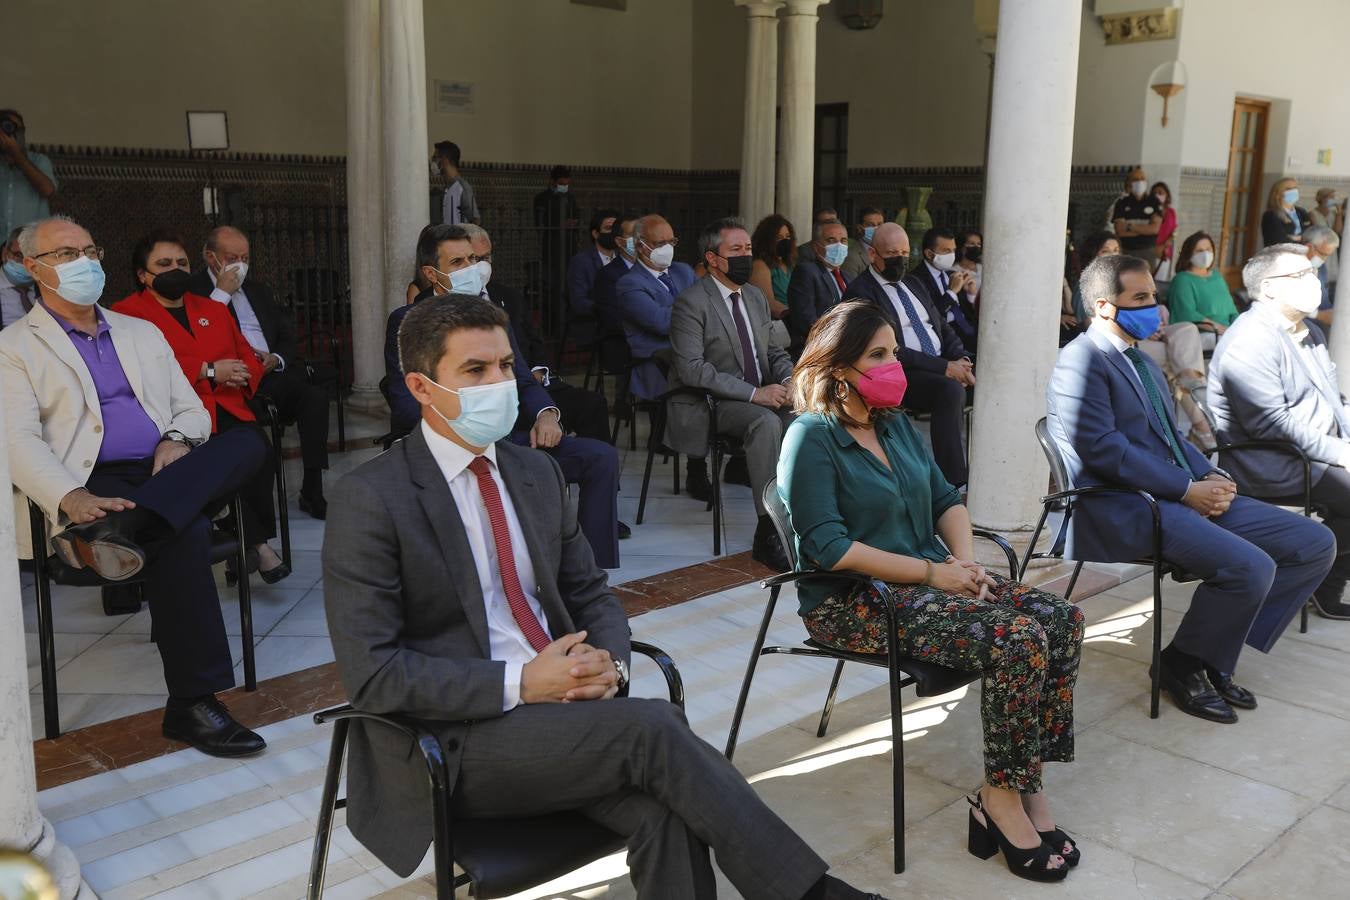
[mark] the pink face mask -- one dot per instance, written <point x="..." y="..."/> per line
<point x="883" y="387"/>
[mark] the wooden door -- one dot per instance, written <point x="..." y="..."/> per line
<point x="1242" y="200"/>
<point x="831" y="168"/>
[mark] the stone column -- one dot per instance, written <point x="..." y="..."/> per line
<point x="1339" y="339"/>
<point x="365" y="206"/>
<point x="22" y="825"/>
<point x="761" y="96"/>
<point x="1035" y="80"/>
<point x="797" y="133"/>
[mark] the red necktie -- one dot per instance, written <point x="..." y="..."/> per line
<point x="839" y="280"/>
<point x="506" y="560"/>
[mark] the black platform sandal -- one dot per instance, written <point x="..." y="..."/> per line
<point x="1056" y="838"/>
<point x="986" y="840"/>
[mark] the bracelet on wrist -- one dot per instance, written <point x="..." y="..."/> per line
<point x="927" y="572"/>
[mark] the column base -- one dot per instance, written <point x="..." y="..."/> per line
<point x="992" y="558"/>
<point x="61" y="864"/>
<point x="366" y="399"/>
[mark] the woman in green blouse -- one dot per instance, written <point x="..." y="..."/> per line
<point x="863" y="494"/>
<point x="1199" y="293"/>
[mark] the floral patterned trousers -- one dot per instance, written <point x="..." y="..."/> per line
<point x="1026" y="642"/>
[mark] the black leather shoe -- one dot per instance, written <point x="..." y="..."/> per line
<point x="831" y="888"/>
<point x="736" y="472"/>
<point x="121" y="599"/>
<point x="102" y="547"/>
<point x="768" y="550"/>
<point x="1234" y="694"/>
<point x="624" y="531"/>
<point x="275" y="574"/>
<point x="698" y="486"/>
<point x="316" y="506"/>
<point x="1329" y="608"/>
<point x="207" y="725"/>
<point x="1193" y="694"/>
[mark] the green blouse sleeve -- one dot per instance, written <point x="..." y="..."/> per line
<point x="1183" y="299"/>
<point x="807" y="479"/>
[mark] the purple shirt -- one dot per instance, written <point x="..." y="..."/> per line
<point x="128" y="430"/>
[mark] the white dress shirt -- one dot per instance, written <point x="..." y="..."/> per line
<point x="605" y="258"/>
<point x="726" y="298"/>
<point x="248" y="319"/>
<point x="943" y="280"/>
<point x="908" y="336"/>
<point x="506" y="640"/>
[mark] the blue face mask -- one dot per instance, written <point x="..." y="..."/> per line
<point x="468" y="280"/>
<point x="868" y="233"/>
<point x="630" y="246"/>
<point x="17" y="274"/>
<point x="835" y="254"/>
<point x="487" y="412"/>
<point x="81" y="283"/>
<point x="1141" y="322"/>
<point x="1291" y="196"/>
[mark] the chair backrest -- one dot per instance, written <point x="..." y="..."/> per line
<point x="1198" y="398"/>
<point x="1059" y="470"/>
<point x="778" y="514"/>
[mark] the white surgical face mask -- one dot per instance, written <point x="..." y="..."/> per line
<point x="468" y="280"/>
<point x="487" y="412"/>
<point x="1138" y="188"/>
<point x="561" y="188"/>
<point x="662" y="257"/>
<point x="944" y="261"/>
<point x="485" y="270"/>
<point x="1204" y="259"/>
<point x="1317" y="261"/>
<point x="241" y="267"/>
<point x="1303" y="294"/>
<point x="435" y="169"/>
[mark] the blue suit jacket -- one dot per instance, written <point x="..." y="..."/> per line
<point x="645" y="305"/>
<point x="1108" y="434"/>
<point x="404" y="410"/>
<point x="581" y="272"/>
<point x="811" y="291"/>
<point x="608" y="317"/>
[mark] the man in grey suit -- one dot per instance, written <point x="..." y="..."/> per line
<point x="461" y="592"/>
<point x="1272" y="379"/>
<point x="719" y="334"/>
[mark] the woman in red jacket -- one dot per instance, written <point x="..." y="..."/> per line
<point x="218" y="362"/>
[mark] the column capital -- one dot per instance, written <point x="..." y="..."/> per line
<point x="760" y="9"/>
<point x="804" y="7"/>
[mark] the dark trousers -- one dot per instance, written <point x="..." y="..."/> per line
<point x="177" y="582"/>
<point x="1259" y="563"/>
<point x="594" y="467"/>
<point x="636" y="768"/>
<point x="584" y="413"/>
<point x="307" y="405"/>
<point x="259" y="503"/>
<point x="945" y="399"/>
<point x="1331" y="494"/>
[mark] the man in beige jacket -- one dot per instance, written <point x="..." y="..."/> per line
<point x="107" y="436"/>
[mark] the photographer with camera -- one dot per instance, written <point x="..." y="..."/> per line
<point x="26" y="179"/>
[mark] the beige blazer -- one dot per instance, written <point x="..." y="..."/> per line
<point x="53" y="422"/>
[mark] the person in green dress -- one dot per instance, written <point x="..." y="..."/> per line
<point x="1199" y="293"/>
<point x="774" y="245"/>
<point x="864" y="494"/>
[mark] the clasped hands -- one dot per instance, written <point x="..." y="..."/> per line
<point x="569" y="670"/>
<point x="1211" y="496"/>
<point x="959" y="576"/>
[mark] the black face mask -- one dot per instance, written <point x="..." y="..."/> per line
<point x="894" y="267"/>
<point x="783" y="249"/>
<point x="171" y="284"/>
<point x="974" y="253"/>
<point x="605" y="240"/>
<point x="738" y="269"/>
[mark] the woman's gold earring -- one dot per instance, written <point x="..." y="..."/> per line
<point x="841" y="390"/>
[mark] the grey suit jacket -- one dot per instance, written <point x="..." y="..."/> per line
<point x="410" y="631"/>
<point x="708" y="356"/>
<point x="1263" y="387"/>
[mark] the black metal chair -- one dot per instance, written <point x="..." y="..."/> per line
<point x="929" y="680"/>
<point x="48" y="570"/>
<point x="488" y="851"/>
<point x="1062" y="501"/>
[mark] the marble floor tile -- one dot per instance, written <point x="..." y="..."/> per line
<point x="306" y="618"/>
<point x="1341" y="799"/>
<point x="280" y="654"/>
<point x="1312" y="859"/>
<point x="68" y="646"/>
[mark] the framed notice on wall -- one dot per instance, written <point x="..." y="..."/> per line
<point x="454" y="96"/>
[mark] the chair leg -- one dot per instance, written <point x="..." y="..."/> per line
<point x="51" y="711"/>
<point x="717" y="501"/>
<point x="323" y="830"/>
<point x="1031" y="547"/>
<point x="1303" y="620"/>
<point x="897" y="757"/>
<point x="829" y="700"/>
<point x="283" y="513"/>
<point x="1156" y="685"/>
<point x="750" y="671"/>
<point x="342" y="424"/>
<point x="245" y="597"/>
<point x="646" y="480"/>
<point x="632" y="426"/>
<point x="442" y="852"/>
<point x="1073" y="580"/>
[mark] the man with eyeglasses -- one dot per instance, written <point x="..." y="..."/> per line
<point x="107" y="436"/>
<point x="1271" y="379"/>
<point x="27" y="180"/>
<point x="1108" y="415"/>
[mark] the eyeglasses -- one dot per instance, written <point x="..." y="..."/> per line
<point x="655" y="244"/>
<point x="70" y="254"/>
<point x="1304" y="273"/>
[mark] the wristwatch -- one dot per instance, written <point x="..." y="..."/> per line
<point x="210" y="371"/>
<point x="177" y="436"/>
<point x="622" y="668"/>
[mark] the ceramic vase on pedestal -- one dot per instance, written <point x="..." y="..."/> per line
<point x="914" y="218"/>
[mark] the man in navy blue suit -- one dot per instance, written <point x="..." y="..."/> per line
<point x="1109" y="415"/>
<point x="583" y="267"/>
<point x="817" y="282"/>
<point x="445" y="257"/>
